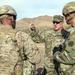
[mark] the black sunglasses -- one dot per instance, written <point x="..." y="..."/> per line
<point x="55" y="22"/>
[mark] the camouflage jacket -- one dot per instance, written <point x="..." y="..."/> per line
<point x="16" y="46"/>
<point x="66" y="58"/>
<point x="53" y="43"/>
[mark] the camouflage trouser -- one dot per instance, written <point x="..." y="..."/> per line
<point x="49" y="66"/>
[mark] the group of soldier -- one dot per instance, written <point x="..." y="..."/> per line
<point x="59" y="58"/>
<point x="19" y="53"/>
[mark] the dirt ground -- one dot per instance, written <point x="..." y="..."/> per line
<point x="41" y="64"/>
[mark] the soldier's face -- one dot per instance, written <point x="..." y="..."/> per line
<point x="70" y="18"/>
<point x="58" y="26"/>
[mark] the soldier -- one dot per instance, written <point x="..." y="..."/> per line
<point x="53" y="38"/>
<point x="18" y="53"/>
<point x="67" y="56"/>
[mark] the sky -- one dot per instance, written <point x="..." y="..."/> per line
<point x="35" y="8"/>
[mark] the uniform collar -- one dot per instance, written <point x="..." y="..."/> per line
<point x="57" y="33"/>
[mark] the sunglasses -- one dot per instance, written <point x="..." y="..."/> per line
<point x="56" y="22"/>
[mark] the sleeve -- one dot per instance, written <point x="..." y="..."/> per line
<point x="48" y="44"/>
<point x="28" y="46"/>
<point x="63" y="57"/>
<point x="36" y="36"/>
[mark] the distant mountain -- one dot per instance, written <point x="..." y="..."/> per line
<point x="41" y="22"/>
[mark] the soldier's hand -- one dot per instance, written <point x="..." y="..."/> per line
<point x="31" y="25"/>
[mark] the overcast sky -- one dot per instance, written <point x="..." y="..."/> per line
<point x="35" y="8"/>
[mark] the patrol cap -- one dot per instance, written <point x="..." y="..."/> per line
<point x="58" y="18"/>
<point x="68" y="8"/>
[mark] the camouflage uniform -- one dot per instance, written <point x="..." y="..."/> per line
<point x="66" y="58"/>
<point x="53" y="43"/>
<point x="53" y="40"/>
<point x="18" y="53"/>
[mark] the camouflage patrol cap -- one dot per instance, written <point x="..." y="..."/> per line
<point x="58" y="18"/>
<point x="7" y="10"/>
<point x="68" y="8"/>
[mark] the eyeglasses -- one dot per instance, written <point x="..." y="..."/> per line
<point x="56" y="22"/>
